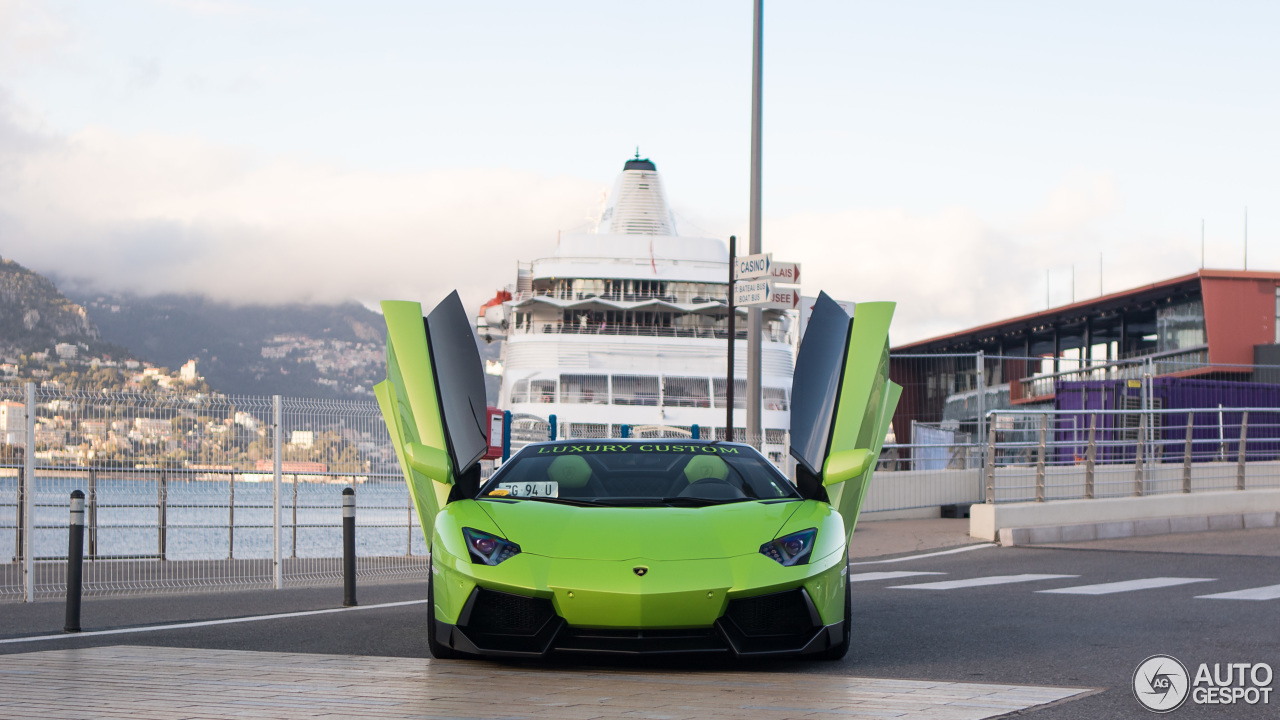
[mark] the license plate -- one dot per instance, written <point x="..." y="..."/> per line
<point x="538" y="489"/>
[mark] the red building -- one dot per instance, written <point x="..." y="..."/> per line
<point x="1215" y="323"/>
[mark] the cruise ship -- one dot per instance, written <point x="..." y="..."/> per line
<point x="627" y="325"/>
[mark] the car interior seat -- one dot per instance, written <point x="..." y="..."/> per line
<point x="572" y="473"/>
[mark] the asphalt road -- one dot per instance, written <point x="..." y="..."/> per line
<point x="998" y="633"/>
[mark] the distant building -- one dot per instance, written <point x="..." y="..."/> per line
<point x="187" y="373"/>
<point x="66" y="351"/>
<point x="302" y="438"/>
<point x="13" y="418"/>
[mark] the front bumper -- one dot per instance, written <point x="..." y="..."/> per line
<point x="691" y="607"/>
<point x="506" y="625"/>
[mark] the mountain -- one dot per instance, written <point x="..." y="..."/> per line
<point x="334" y="351"/>
<point x="36" y="318"/>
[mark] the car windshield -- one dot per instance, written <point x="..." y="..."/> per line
<point x="639" y="474"/>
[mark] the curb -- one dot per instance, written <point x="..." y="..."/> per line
<point x="1049" y="534"/>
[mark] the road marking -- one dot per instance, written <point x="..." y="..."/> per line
<point x="206" y="623"/>
<point x="863" y="577"/>
<point x="979" y="582"/>
<point x="1270" y="592"/>
<point x="1126" y="586"/>
<point x="952" y="551"/>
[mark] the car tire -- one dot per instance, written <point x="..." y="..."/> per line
<point x="838" y="651"/>
<point x="438" y="650"/>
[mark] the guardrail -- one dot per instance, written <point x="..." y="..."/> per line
<point x="1044" y="455"/>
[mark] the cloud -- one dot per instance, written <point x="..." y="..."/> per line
<point x="152" y="213"/>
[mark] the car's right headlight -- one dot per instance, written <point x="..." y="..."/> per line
<point x="488" y="549"/>
<point x="793" y="549"/>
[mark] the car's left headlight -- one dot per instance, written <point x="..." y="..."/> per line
<point x="488" y="549"/>
<point x="793" y="549"/>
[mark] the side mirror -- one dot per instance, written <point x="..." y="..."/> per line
<point x="432" y="462"/>
<point x="846" y="465"/>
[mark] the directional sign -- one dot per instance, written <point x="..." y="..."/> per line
<point x="785" y="273"/>
<point x="766" y="294"/>
<point x="752" y="292"/>
<point x="752" y="266"/>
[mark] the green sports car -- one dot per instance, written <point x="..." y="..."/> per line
<point x="637" y="546"/>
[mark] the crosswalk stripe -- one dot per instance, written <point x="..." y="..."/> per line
<point x="1270" y="592"/>
<point x="863" y="577"/>
<point x="1126" y="586"/>
<point x="979" y="582"/>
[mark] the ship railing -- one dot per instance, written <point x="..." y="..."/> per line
<point x="621" y="330"/>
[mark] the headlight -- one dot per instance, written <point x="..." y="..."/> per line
<point x="793" y="549"/>
<point x="488" y="549"/>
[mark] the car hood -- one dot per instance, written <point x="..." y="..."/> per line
<point x="655" y="533"/>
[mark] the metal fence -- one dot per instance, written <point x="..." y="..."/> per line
<point x="1053" y="455"/>
<point x="196" y="493"/>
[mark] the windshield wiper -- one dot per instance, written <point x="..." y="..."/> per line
<point x="558" y="500"/>
<point x="679" y="501"/>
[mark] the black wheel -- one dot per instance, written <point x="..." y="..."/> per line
<point x="838" y="651"/>
<point x="439" y="651"/>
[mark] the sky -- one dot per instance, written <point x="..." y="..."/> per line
<point x="967" y="160"/>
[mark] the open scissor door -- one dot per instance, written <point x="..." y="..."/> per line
<point x="433" y="402"/>
<point x="842" y="402"/>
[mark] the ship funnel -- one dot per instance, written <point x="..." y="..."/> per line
<point x="637" y="205"/>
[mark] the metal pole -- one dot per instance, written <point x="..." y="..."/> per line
<point x="1091" y="456"/>
<point x="695" y="432"/>
<point x="28" y="499"/>
<point x="506" y="435"/>
<point x="348" y="547"/>
<point x="293" y="552"/>
<point x="91" y="517"/>
<point x="1137" y="461"/>
<point x="75" y="562"/>
<point x="981" y="382"/>
<point x="753" y="313"/>
<point x="1241" y="453"/>
<point x="277" y="567"/>
<point x="733" y="332"/>
<point x="551" y="421"/>
<point x="1040" y="453"/>
<point x="624" y="431"/>
<point x="990" y="490"/>
<point x="231" y="519"/>
<point x="1186" y="456"/>
<point x="162" y="513"/>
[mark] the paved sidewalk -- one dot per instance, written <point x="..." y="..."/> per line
<point x="898" y="537"/>
<point x="159" y="683"/>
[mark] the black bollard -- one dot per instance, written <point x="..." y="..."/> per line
<point x="75" y="561"/>
<point x="348" y="547"/>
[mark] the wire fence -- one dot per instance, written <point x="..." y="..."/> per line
<point x="197" y="493"/>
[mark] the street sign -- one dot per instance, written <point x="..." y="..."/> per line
<point x="786" y="273"/>
<point x="751" y="292"/>
<point x="766" y="294"/>
<point x="752" y="266"/>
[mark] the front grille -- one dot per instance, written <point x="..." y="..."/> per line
<point x="640" y="641"/>
<point x="784" y="613"/>
<point x="499" y="613"/>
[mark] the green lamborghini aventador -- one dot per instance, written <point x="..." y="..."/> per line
<point x="638" y="546"/>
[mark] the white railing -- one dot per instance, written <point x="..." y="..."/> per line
<point x="1044" y="455"/>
